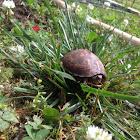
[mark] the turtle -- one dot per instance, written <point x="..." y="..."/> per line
<point x="85" y="66"/>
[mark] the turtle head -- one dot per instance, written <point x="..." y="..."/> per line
<point x="97" y="79"/>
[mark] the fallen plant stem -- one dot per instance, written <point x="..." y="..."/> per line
<point x="97" y="97"/>
<point x="100" y="117"/>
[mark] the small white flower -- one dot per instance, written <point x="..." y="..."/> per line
<point x="73" y="5"/>
<point x="78" y="9"/>
<point x="110" y="38"/>
<point x="89" y="19"/>
<point x="5" y="4"/>
<point x="8" y="4"/>
<point x="103" y="48"/>
<point x="126" y="22"/>
<point x="129" y="66"/>
<point x="91" y="133"/>
<point x="18" y="48"/>
<point x="90" y="6"/>
<point x="107" y="4"/>
<point x="96" y="133"/>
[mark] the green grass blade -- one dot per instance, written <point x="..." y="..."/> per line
<point x="17" y="63"/>
<point x="73" y="107"/>
<point x="56" y="84"/>
<point x="81" y="101"/>
<point x="22" y="30"/>
<point x="135" y="61"/>
<point x="53" y="18"/>
<point x="61" y="81"/>
<point x="110" y="94"/>
<point x="11" y="36"/>
<point x="70" y="26"/>
<point x="66" y="37"/>
<point x="14" y="98"/>
<point x="63" y="74"/>
<point x="113" y="130"/>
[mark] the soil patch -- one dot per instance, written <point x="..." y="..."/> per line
<point x="21" y="12"/>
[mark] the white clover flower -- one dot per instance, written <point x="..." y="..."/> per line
<point x="91" y="133"/>
<point x="96" y="133"/>
<point x="90" y="6"/>
<point x="73" y="5"/>
<point x="90" y="19"/>
<point x="8" y="4"/>
<point x="126" y="22"/>
<point x="107" y="4"/>
<point x="78" y="9"/>
<point x="18" y="48"/>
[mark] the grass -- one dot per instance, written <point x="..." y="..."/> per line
<point x="45" y="100"/>
<point x="134" y="4"/>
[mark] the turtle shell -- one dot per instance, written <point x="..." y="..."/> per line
<point x="83" y="63"/>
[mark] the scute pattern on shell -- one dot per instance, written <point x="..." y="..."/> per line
<point x="83" y="63"/>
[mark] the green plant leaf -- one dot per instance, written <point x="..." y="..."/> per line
<point x="110" y="94"/>
<point x="69" y="118"/>
<point x="8" y="116"/>
<point x="41" y="134"/>
<point x="30" y="1"/>
<point x="46" y="126"/>
<point x="31" y="132"/>
<point x="19" y="33"/>
<point x="24" y="90"/>
<point x="42" y="8"/>
<point x="34" y="125"/>
<point x="3" y="124"/>
<point x="92" y="36"/>
<point x="51" y="113"/>
<point x="37" y="120"/>
<point x="27" y="138"/>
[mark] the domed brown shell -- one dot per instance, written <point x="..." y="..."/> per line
<point x="83" y="63"/>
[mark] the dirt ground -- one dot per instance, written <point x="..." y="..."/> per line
<point x="20" y="12"/>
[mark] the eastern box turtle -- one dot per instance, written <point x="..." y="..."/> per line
<point x="84" y="66"/>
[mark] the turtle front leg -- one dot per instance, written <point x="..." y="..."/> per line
<point x="94" y="85"/>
